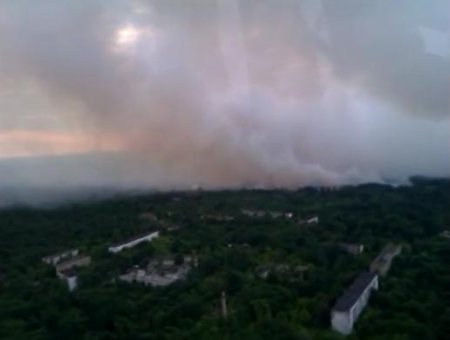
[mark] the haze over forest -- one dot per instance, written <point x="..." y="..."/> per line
<point x="221" y="94"/>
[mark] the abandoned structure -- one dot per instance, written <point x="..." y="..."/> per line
<point x="350" y="305"/>
<point x="161" y="272"/>
<point x="383" y="261"/>
<point x="65" y="264"/>
<point x="75" y="261"/>
<point x="70" y="276"/>
<point x="133" y="241"/>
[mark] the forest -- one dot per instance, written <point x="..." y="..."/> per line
<point x="233" y="248"/>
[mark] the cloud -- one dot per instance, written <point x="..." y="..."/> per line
<point x="388" y="55"/>
<point x="233" y="93"/>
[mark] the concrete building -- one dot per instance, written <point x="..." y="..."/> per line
<point x="55" y="258"/>
<point x="350" y="305"/>
<point x="383" y="261"/>
<point x="134" y="241"/>
<point x="312" y="220"/>
<point x="65" y="264"/>
<point x="160" y="272"/>
<point x="71" y="278"/>
<point x="76" y="261"/>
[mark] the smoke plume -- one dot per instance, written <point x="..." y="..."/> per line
<point x="225" y="93"/>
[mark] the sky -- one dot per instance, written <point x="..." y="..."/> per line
<point x="172" y="94"/>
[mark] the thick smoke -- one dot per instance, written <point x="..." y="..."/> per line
<point x="231" y="93"/>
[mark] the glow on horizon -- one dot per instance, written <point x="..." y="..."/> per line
<point x="28" y="143"/>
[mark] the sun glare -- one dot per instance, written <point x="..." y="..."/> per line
<point x="127" y="36"/>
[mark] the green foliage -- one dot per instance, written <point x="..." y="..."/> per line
<point x="412" y="302"/>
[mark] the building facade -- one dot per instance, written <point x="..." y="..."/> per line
<point x="350" y="305"/>
<point x="71" y="278"/>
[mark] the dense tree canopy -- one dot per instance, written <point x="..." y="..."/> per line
<point x="233" y="250"/>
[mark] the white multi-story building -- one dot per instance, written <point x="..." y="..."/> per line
<point x="65" y="263"/>
<point x="350" y="305"/>
<point x="134" y="241"/>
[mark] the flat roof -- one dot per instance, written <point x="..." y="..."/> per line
<point x="387" y="253"/>
<point x="352" y="293"/>
<point x="73" y="259"/>
<point x="133" y="238"/>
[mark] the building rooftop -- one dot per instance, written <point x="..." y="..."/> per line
<point x="352" y="294"/>
<point x="386" y="255"/>
<point x="68" y="272"/>
<point x="133" y="238"/>
<point x="72" y="260"/>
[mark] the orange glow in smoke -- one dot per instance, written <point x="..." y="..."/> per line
<point x="24" y="143"/>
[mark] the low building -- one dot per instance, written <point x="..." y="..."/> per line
<point x="134" y="241"/>
<point x="383" y="261"/>
<point x="66" y="264"/>
<point x="160" y="272"/>
<point x="312" y="220"/>
<point x="76" y="261"/>
<point x="354" y="249"/>
<point x="350" y="305"/>
<point x="70" y="276"/>
<point x="55" y="258"/>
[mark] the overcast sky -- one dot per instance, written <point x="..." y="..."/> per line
<point x="223" y="93"/>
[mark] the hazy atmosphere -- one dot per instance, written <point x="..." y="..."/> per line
<point x="224" y="93"/>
